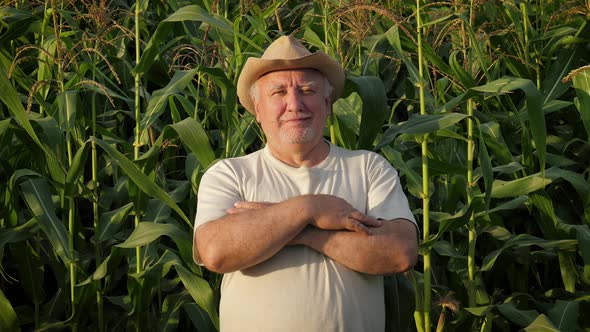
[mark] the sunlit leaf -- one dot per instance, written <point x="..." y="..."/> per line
<point x="479" y="311"/>
<point x="420" y="124"/>
<point x="374" y="111"/>
<point x="541" y="324"/>
<point x="8" y="319"/>
<point x="146" y="233"/>
<point x="518" y="187"/>
<point x="581" y="82"/>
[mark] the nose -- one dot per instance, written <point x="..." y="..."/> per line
<point x="293" y="101"/>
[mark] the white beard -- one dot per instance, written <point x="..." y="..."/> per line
<point x="297" y="135"/>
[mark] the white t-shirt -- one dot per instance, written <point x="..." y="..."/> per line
<point x="300" y="289"/>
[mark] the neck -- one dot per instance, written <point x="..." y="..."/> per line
<point x="297" y="155"/>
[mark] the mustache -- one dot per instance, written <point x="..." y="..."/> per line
<point x="295" y="116"/>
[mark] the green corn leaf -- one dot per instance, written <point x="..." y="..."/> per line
<point x="160" y="36"/>
<point x="199" y="317"/>
<point x="444" y="248"/>
<point x="8" y="319"/>
<point x="506" y="206"/>
<point x="577" y="181"/>
<point x="313" y="39"/>
<point x="191" y="134"/>
<point x="106" y="267"/>
<point x="552" y="86"/>
<point x="518" y="187"/>
<point x="200" y="291"/>
<point x="393" y="37"/>
<point x="581" y="83"/>
<point x="533" y="103"/>
<point x="348" y="112"/>
<point x="51" y="134"/>
<point x="10" y="98"/>
<point x="535" y="113"/>
<point x="583" y="237"/>
<point x="36" y="193"/>
<point x="480" y="311"/>
<point x="110" y="222"/>
<point x="541" y="324"/>
<point x="169" y="316"/>
<point x="76" y="168"/>
<point x="30" y="270"/>
<point x="498" y="232"/>
<point x="420" y="124"/>
<point x="140" y="179"/>
<point x="374" y="111"/>
<point x="447" y="222"/>
<point x="519" y="317"/>
<point x="157" y="211"/>
<point x="344" y="136"/>
<point x="525" y="240"/>
<point x="16" y="234"/>
<point x="546" y="218"/>
<point x="146" y="233"/>
<point x="564" y="315"/>
<point x="159" y="99"/>
<point x="458" y="70"/>
<point x="67" y="103"/>
<point x="485" y="163"/>
<point x="413" y="179"/>
<point x="568" y="269"/>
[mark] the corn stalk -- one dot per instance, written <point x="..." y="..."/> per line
<point x="425" y="177"/>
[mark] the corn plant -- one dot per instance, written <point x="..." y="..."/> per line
<point x="110" y="113"/>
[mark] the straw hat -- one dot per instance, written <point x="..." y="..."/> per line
<point x="288" y="53"/>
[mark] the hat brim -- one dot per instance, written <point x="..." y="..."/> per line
<point x="257" y="67"/>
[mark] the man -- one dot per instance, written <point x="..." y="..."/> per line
<point x="302" y="229"/>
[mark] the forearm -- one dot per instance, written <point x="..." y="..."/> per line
<point x="238" y="241"/>
<point x="392" y="248"/>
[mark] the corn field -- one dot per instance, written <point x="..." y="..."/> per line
<point x="111" y="111"/>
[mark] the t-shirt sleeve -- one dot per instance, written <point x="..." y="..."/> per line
<point x="218" y="191"/>
<point x="386" y="199"/>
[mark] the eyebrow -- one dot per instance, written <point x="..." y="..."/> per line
<point x="310" y="84"/>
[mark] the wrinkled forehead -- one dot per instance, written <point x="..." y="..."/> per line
<point x="300" y="76"/>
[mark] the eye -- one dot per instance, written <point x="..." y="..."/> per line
<point x="307" y="91"/>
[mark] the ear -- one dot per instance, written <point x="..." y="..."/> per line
<point x="256" y="113"/>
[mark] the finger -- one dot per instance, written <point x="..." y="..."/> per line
<point x="355" y="226"/>
<point x="366" y="220"/>
<point x="234" y="210"/>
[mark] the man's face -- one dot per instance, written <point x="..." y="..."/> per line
<point x="291" y="106"/>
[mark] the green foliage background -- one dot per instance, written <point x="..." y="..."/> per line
<point x="112" y="110"/>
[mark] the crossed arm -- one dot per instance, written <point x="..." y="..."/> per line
<point x="253" y="232"/>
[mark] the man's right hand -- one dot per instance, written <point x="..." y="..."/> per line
<point x="333" y="213"/>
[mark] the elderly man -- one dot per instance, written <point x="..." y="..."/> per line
<point x="303" y="230"/>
